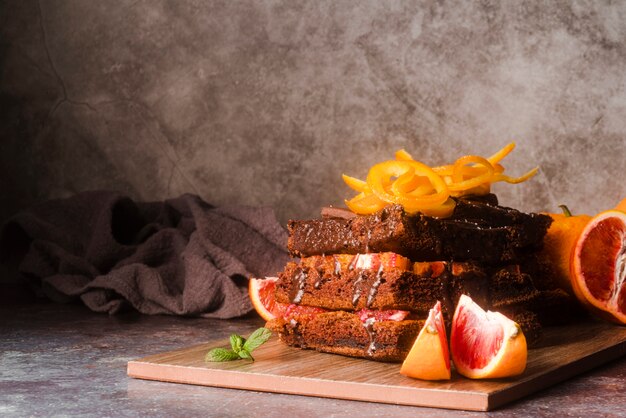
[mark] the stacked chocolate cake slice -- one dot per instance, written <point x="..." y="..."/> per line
<point x="371" y="279"/>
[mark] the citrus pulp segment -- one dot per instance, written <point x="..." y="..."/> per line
<point x="486" y="344"/>
<point x="599" y="265"/>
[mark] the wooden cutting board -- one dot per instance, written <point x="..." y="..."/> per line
<point x="564" y="352"/>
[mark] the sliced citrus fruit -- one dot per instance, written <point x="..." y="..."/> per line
<point x="486" y="344"/>
<point x="261" y="293"/>
<point x="621" y="205"/>
<point x="429" y="358"/>
<point x="599" y="265"/>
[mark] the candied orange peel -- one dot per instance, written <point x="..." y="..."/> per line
<point x="429" y="190"/>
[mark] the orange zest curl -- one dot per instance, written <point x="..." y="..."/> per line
<point x="429" y="190"/>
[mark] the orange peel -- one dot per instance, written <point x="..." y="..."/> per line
<point x="355" y="184"/>
<point x="365" y="204"/>
<point x="420" y="188"/>
<point x="381" y="173"/>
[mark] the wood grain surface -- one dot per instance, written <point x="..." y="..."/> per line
<point x="563" y="352"/>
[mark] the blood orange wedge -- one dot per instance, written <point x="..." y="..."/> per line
<point x="261" y="293"/>
<point x="486" y="344"/>
<point x="429" y="358"/>
<point x="598" y="265"/>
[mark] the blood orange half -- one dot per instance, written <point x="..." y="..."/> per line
<point x="598" y="265"/>
<point x="429" y="358"/>
<point x="486" y="344"/>
<point x="261" y="293"/>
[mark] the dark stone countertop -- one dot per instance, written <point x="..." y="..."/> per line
<point x="64" y="360"/>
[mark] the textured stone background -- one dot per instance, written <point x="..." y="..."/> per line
<point x="268" y="102"/>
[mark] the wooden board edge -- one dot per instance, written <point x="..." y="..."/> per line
<point x="432" y="398"/>
<point x="556" y="375"/>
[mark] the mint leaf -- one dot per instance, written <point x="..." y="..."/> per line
<point x="245" y="354"/>
<point x="257" y="338"/>
<point x="236" y="342"/>
<point x="221" y="354"/>
<point x="241" y="348"/>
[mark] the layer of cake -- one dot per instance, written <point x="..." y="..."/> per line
<point x="355" y="335"/>
<point x="388" y="281"/>
<point x="509" y="287"/>
<point x="338" y="283"/>
<point x="529" y="323"/>
<point x="476" y="231"/>
<point x="347" y="334"/>
<point x="552" y="307"/>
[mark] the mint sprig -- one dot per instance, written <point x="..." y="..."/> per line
<point x="241" y="348"/>
<point x="257" y="338"/>
<point x="221" y="354"/>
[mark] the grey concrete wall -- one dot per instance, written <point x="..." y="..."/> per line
<point x="268" y="102"/>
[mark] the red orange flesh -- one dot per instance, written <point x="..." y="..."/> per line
<point x="599" y="266"/>
<point x="486" y="344"/>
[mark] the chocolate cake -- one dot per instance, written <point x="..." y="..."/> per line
<point x="405" y="263"/>
<point x="477" y="231"/>
<point x="416" y="288"/>
<point x="347" y="333"/>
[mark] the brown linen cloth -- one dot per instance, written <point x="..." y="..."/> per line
<point x="180" y="257"/>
